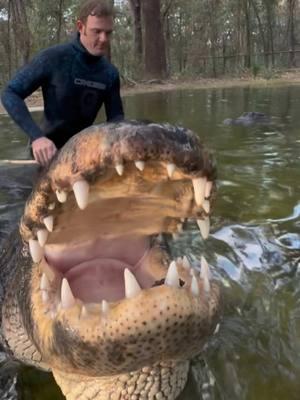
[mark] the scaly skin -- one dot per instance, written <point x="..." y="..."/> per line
<point x="102" y="305"/>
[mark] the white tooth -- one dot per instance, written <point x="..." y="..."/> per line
<point x="67" y="298"/>
<point x="48" y="221"/>
<point x="195" y="287"/>
<point x="42" y="236"/>
<point x="120" y="169"/>
<point x="172" y="278"/>
<point x="199" y="190"/>
<point x="140" y="165"/>
<point x="182" y="220"/>
<point x="45" y="284"/>
<point x="45" y="296"/>
<point x="171" y="168"/>
<point x="160" y="237"/>
<point x="205" y="274"/>
<point x="132" y="288"/>
<point x="51" y="206"/>
<point x="179" y="227"/>
<point x="81" y="191"/>
<point x="84" y="312"/>
<point x="185" y="262"/>
<point x="204" y="226"/>
<point x="216" y="329"/>
<point x="105" y="306"/>
<point x="175" y="236"/>
<point x="36" y="250"/>
<point x="61" y="196"/>
<point x="206" y="206"/>
<point x="49" y="272"/>
<point x="208" y="188"/>
<point x="179" y="260"/>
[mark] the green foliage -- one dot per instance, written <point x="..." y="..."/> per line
<point x="203" y="37"/>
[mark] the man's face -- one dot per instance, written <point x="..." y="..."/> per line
<point x="95" y="34"/>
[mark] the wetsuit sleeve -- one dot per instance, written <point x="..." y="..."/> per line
<point x="113" y="103"/>
<point x="25" y="82"/>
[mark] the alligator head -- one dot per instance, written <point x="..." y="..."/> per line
<point x="95" y="297"/>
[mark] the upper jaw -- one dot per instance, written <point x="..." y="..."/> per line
<point x="119" y="180"/>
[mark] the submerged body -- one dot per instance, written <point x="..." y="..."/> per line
<point x="89" y="292"/>
<point x="249" y="119"/>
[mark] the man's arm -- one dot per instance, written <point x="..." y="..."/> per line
<point x="25" y="82"/>
<point x="113" y="103"/>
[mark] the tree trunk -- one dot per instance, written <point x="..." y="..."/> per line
<point x="60" y="20"/>
<point x="21" y="29"/>
<point x="291" y="4"/>
<point x="261" y="32"/>
<point x="154" y="41"/>
<point x="247" y="63"/>
<point x="136" y="11"/>
<point x="270" y="20"/>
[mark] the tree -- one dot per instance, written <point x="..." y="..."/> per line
<point x="154" y="41"/>
<point x="136" y="9"/>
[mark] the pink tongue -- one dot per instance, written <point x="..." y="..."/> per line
<point x="97" y="280"/>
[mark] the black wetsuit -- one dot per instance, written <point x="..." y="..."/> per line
<point x="75" y="84"/>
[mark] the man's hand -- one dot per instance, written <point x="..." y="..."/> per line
<point x="43" y="150"/>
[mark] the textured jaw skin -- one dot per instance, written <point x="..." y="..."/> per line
<point x="106" y="300"/>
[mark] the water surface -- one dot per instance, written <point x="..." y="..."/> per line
<point x="254" y="248"/>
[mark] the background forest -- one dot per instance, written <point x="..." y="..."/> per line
<point x="157" y="39"/>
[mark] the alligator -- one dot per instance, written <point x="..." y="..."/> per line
<point x="89" y="291"/>
<point x="249" y="119"/>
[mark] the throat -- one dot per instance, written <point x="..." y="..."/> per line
<point x="95" y="269"/>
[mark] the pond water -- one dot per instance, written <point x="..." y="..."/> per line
<point x="254" y="246"/>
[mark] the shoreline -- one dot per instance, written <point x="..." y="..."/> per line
<point x="35" y="101"/>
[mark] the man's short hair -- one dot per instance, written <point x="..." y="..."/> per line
<point x="98" y="8"/>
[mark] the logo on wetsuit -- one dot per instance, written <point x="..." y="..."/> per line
<point x="90" y="84"/>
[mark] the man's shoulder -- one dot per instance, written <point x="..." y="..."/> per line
<point x="56" y="50"/>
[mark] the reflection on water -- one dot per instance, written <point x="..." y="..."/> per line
<point x="253" y="249"/>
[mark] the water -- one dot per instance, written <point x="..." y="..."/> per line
<point x="254" y="248"/>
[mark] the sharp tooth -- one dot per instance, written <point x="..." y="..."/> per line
<point x="179" y="260"/>
<point x="81" y="191"/>
<point x="172" y="278"/>
<point x="140" y="165"/>
<point x="105" y="306"/>
<point x="179" y="227"/>
<point x="171" y="168"/>
<point x="217" y="328"/>
<point x="42" y="236"/>
<point x="45" y="284"/>
<point x="208" y="188"/>
<point x="132" y="288"/>
<point x="67" y="298"/>
<point x="61" y="196"/>
<point x="199" y="190"/>
<point x="206" y="206"/>
<point x="204" y="226"/>
<point x="120" y="169"/>
<point x="48" y="221"/>
<point x="182" y="220"/>
<point x="45" y="296"/>
<point x="205" y="274"/>
<point x="49" y="272"/>
<point x="36" y="250"/>
<point x="185" y="263"/>
<point x="84" y="312"/>
<point x="51" y="206"/>
<point x="194" y="286"/>
<point x="175" y="236"/>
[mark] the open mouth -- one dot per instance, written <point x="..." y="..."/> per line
<point x="94" y="222"/>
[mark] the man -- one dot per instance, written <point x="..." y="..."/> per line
<point x="76" y="80"/>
